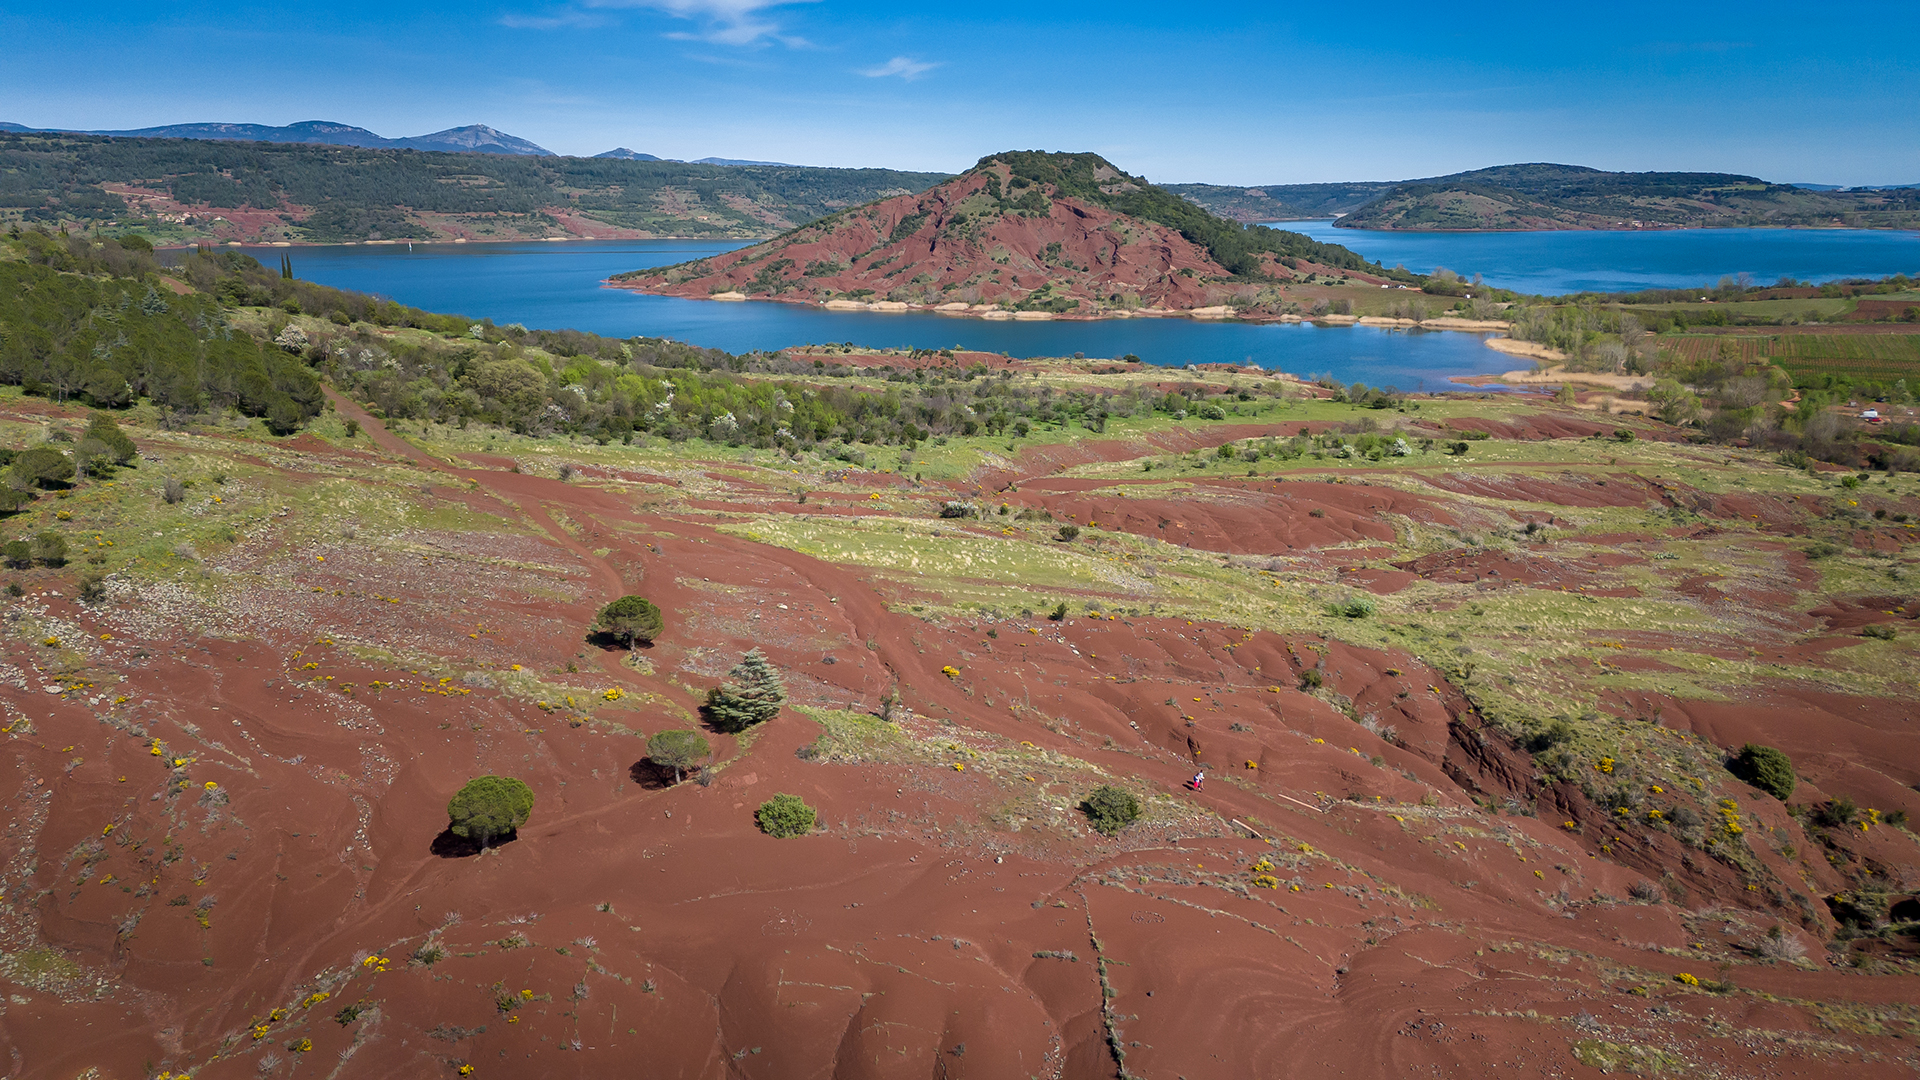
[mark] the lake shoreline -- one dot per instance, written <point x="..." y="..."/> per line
<point x="562" y="285"/>
<point x="748" y="240"/>
<point x="995" y="313"/>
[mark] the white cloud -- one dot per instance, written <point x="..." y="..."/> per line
<point x="904" y="66"/>
<point x="724" y="22"/>
<point x="565" y="19"/>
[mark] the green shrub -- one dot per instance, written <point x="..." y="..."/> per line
<point x="1059" y="613"/>
<point x="1545" y="739"/>
<point x="1765" y="768"/>
<point x="41" y="466"/>
<point x="18" y="554"/>
<point x="1836" y="813"/>
<point x="1356" y="607"/>
<point x="784" y="816"/>
<point x="678" y="749"/>
<point x="1882" y="631"/>
<point x="490" y="807"/>
<point x="91" y="457"/>
<point x="104" y="430"/>
<point x="1109" y="809"/>
<point x="49" y="548"/>
<point x="1068" y="533"/>
<point x="630" y="619"/>
<point x="751" y="695"/>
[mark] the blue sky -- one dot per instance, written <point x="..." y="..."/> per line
<point x="1225" y="93"/>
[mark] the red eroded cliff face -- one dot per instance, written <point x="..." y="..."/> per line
<point x="984" y="238"/>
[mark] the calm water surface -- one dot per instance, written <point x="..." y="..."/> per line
<point x="1552" y="263"/>
<point x="558" y="285"/>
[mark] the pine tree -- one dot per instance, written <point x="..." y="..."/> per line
<point x="678" y="750"/>
<point x="489" y="808"/>
<point x="630" y="619"/>
<point x="751" y="695"/>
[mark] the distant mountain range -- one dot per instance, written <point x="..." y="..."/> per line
<point x="472" y="139"/>
<point x="624" y="154"/>
<point x="1548" y="196"/>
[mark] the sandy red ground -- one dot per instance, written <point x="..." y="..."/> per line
<point x="635" y="927"/>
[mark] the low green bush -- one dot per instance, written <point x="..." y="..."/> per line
<point x="1765" y="768"/>
<point x="1109" y="809"/>
<point x="785" y="816"/>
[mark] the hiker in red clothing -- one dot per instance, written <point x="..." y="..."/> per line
<point x="1199" y="780"/>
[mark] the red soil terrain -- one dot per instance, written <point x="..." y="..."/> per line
<point x="229" y="859"/>
<point x="957" y="243"/>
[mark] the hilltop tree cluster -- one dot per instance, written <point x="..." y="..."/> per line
<point x="1090" y="178"/>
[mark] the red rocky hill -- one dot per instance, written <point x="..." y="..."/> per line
<point x="1019" y="232"/>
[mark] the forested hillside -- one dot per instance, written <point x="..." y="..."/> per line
<point x="1569" y="197"/>
<point x="1543" y="196"/>
<point x="89" y="321"/>
<point x="183" y="189"/>
<point x="1281" y="202"/>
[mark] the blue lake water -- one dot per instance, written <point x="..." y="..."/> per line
<point x="1553" y="263"/>
<point x="558" y="286"/>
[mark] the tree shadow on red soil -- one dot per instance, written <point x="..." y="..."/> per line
<point x="606" y="642"/>
<point x="450" y="846"/>
<point x="650" y="775"/>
